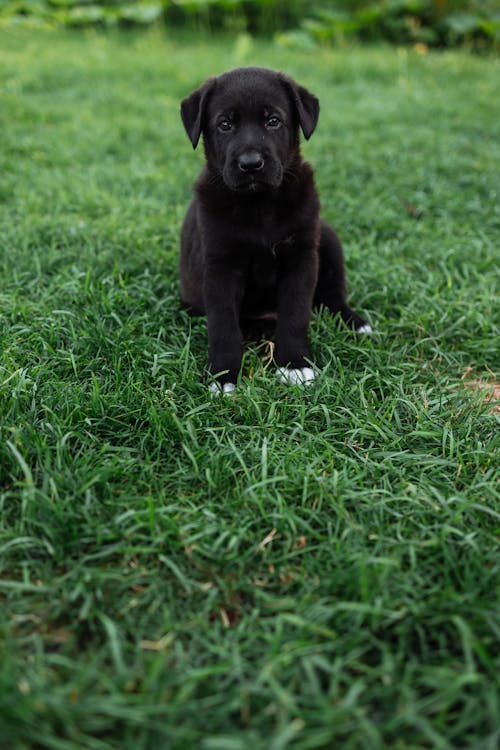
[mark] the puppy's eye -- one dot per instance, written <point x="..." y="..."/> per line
<point x="225" y="126"/>
<point x="273" y="122"/>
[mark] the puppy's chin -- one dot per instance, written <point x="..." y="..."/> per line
<point x="252" y="185"/>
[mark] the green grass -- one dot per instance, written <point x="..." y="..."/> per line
<point x="284" y="568"/>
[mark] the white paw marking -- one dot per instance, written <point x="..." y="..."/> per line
<point x="366" y="328"/>
<point x="299" y="376"/>
<point x="217" y="388"/>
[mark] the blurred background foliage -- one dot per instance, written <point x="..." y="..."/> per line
<point x="436" y="23"/>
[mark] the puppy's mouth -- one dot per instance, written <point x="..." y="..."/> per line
<point x="252" y="184"/>
<point x="264" y="177"/>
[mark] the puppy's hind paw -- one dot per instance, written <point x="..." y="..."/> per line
<point x="297" y="376"/>
<point x="217" y="388"/>
<point x="365" y="329"/>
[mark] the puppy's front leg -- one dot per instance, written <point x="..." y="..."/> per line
<point x="223" y="290"/>
<point x="298" y="275"/>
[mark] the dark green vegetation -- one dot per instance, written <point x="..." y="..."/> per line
<point x="285" y="568"/>
<point x="432" y="22"/>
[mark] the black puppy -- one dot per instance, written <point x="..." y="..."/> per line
<point x="253" y="245"/>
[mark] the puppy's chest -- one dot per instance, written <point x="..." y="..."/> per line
<point x="263" y="226"/>
<point x="263" y="263"/>
<point x="262" y="270"/>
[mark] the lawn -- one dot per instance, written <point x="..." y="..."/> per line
<point x="282" y="569"/>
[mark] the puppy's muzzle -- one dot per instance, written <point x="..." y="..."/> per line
<point x="250" y="162"/>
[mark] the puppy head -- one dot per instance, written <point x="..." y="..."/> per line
<point x="250" y="118"/>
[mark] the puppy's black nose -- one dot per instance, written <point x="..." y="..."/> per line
<point x="250" y="161"/>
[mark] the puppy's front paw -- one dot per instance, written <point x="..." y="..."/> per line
<point x="298" y="376"/>
<point x="365" y="329"/>
<point x="217" y="388"/>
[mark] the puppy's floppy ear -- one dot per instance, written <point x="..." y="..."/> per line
<point x="306" y="106"/>
<point x="193" y="110"/>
